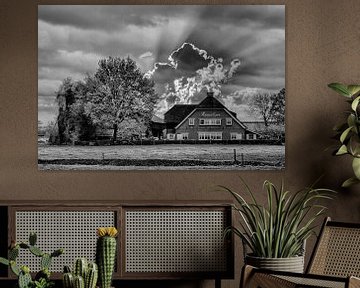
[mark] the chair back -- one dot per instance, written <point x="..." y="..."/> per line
<point x="337" y="251"/>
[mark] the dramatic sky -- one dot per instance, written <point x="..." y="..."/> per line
<point x="234" y="50"/>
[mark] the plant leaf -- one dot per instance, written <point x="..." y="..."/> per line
<point x="351" y="120"/>
<point x="340" y="89"/>
<point x="345" y="134"/>
<point x="353" y="89"/>
<point x="349" y="182"/>
<point x="355" y="103"/>
<point x="356" y="167"/>
<point x="342" y="150"/>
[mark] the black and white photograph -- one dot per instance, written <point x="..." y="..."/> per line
<point x="161" y="87"/>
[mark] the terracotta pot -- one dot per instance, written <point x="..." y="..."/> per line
<point x="291" y="264"/>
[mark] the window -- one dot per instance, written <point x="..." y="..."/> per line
<point x="210" y="121"/>
<point x="171" y="136"/>
<point x="191" y="121"/>
<point x="236" y="136"/>
<point x="228" y="121"/>
<point x="182" y="136"/>
<point x="251" y="136"/>
<point x="210" y="135"/>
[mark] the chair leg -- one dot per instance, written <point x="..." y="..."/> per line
<point x="354" y="282"/>
<point x="246" y="274"/>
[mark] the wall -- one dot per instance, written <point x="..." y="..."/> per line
<point x="322" y="46"/>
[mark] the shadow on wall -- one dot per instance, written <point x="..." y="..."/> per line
<point x="333" y="170"/>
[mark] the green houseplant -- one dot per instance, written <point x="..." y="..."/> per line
<point x="349" y="132"/>
<point x="275" y="233"/>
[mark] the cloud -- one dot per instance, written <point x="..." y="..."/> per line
<point x="48" y="87"/>
<point x="147" y="54"/>
<point x="99" y="17"/>
<point x="188" y="71"/>
<point x="181" y="45"/>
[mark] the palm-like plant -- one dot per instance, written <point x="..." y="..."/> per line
<point x="280" y="229"/>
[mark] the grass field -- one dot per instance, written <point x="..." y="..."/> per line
<point x="168" y="157"/>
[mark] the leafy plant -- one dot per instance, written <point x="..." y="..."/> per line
<point x="279" y="229"/>
<point x="42" y="278"/>
<point x="349" y="132"/>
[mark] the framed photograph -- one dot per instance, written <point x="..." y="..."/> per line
<point x="161" y="87"/>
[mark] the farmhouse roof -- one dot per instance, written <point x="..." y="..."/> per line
<point x="178" y="112"/>
<point x="157" y="119"/>
<point x="210" y="102"/>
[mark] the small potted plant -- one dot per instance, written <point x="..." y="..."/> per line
<point x="349" y="131"/>
<point x="106" y="254"/>
<point x="84" y="274"/>
<point x="42" y="278"/>
<point x="275" y="233"/>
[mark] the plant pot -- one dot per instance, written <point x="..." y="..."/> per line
<point x="291" y="264"/>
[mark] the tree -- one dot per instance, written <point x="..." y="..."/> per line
<point x="65" y="97"/>
<point x="262" y="103"/>
<point x="73" y="124"/>
<point x="270" y="106"/>
<point x="277" y="110"/>
<point x="117" y="92"/>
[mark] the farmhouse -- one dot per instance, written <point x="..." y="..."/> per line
<point x="208" y="120"/>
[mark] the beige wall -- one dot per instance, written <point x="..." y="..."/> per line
<point x="322" y="46"/>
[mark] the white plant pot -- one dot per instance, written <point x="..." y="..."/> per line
<point x="291" y="264"/>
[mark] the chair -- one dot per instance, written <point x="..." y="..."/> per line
<point x="335" y="262"/>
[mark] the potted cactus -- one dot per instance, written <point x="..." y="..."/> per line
<point x="42" y="278"/>
<point x="106" y="254"/>
<point x="84" y="275"/>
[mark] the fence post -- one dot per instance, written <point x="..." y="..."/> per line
<point x="235" y="156"/>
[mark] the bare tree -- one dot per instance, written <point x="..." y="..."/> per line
<point x="271" y="106"/>
<point x="262" y="103"/>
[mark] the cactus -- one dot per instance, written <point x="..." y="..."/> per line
<point x="67" y="269"/>
<point x="79" y="282"/>
<point x="14" y="268"/>
<point x="13" y="253"/>
<point x="24" y="278"/>
<point x="88" y="273"/>
<point x="36" y="251"/>
<point x="105" y="255"/>
<point x="44" y="273"/>
<point x="80" y="267"/>
<point x="57" y="253"/>
<point x="45" y="261"/>
<point x="68" y="280"/>
<point x="91" y="276"/>
<point x="32" y="238"/>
